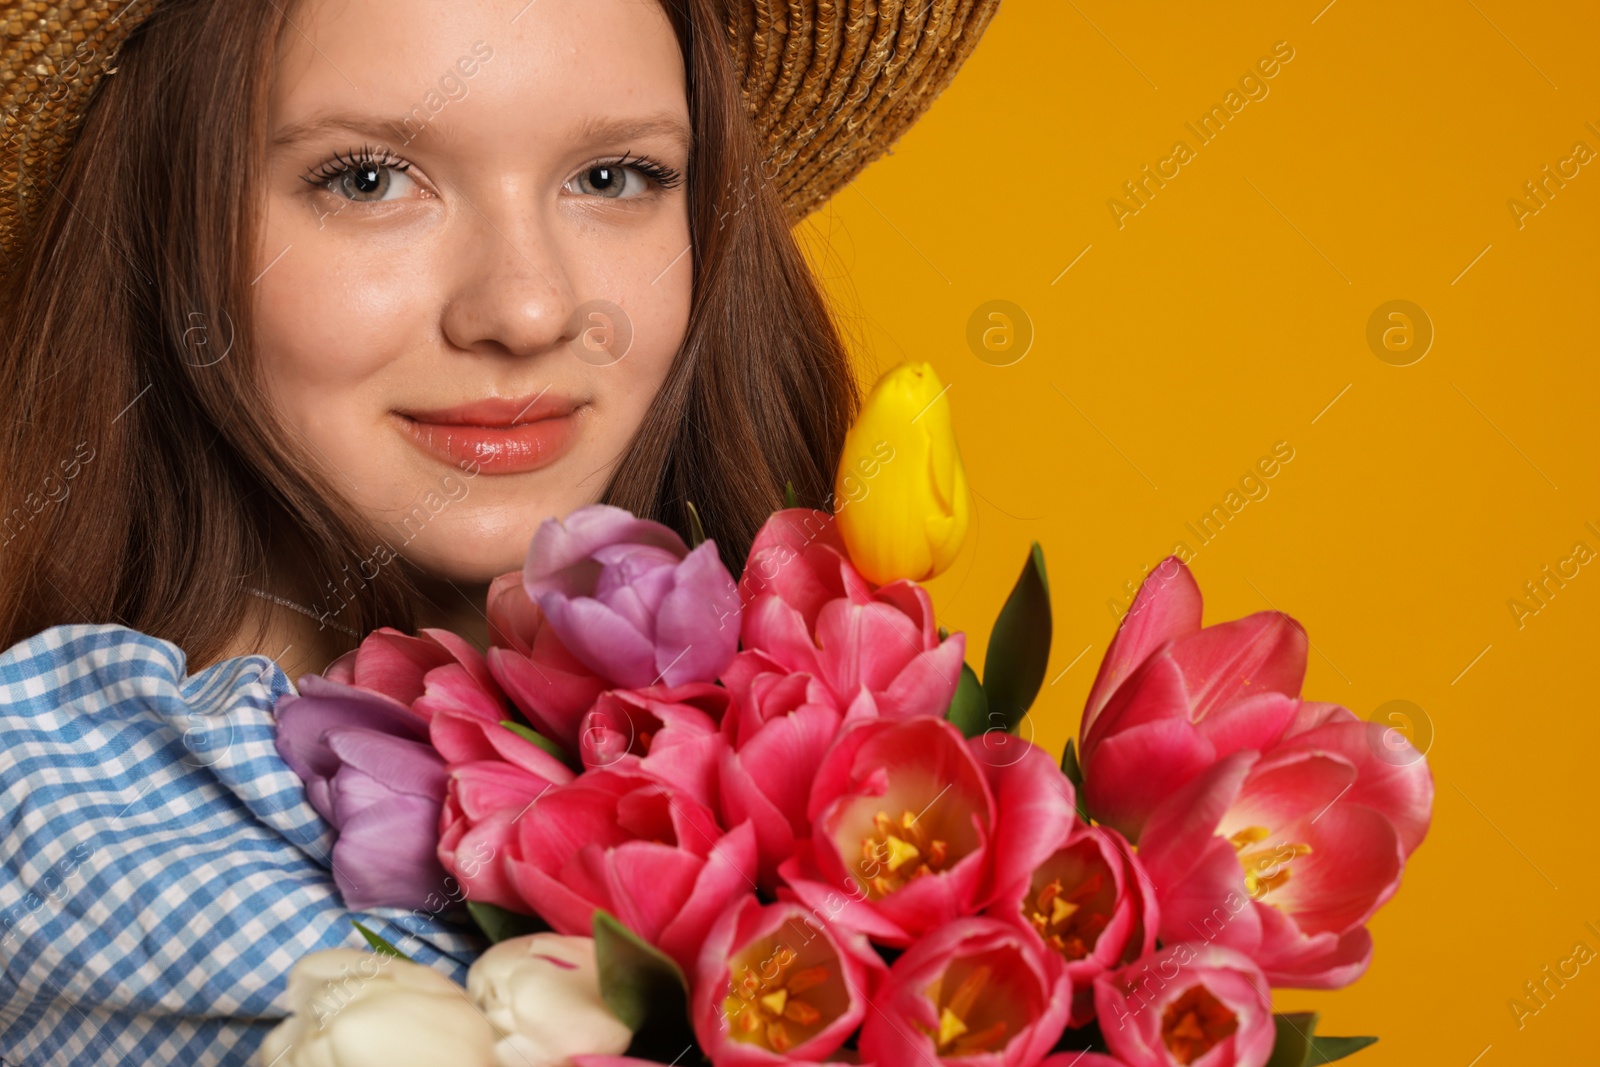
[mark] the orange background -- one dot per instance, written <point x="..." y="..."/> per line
<point x="1230" y="313"/>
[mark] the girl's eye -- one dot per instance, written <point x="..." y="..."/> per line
<point x="364" y="178"/>
<point x="623" y="179"/>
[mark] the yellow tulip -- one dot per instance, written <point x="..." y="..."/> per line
<point x="901" y="492"/>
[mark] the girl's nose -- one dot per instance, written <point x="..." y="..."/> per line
<point x="511" y="293"/>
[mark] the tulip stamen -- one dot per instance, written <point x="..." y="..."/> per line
<point x="954" y="1036"/>
<point x="1064" y="920"/>
<point x="899" y="851"/>
<point x="1265" y="869"/>
<point x="1195" y="1023"/>
<point x="758" y="1010"/>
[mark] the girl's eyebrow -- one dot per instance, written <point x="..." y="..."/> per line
<point x="592" y="129"/>
<point x="350" y="121"/>
<point x="662" y="124"/>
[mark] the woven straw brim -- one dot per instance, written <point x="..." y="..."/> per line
<point x="829" y="84"/>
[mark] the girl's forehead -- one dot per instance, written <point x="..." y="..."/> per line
<point x="544" y="68"/>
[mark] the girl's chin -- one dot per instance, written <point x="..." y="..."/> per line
<point x="463" y="562"/>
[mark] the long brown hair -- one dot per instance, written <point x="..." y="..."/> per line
<point x="145" y="480"/>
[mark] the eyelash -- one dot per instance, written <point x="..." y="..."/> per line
<point x="663" y="175"/>
<point x="343" y="163"/>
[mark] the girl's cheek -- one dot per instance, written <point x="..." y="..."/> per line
<point x="328" y="314"/>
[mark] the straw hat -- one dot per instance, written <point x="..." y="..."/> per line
<point x="830" y="85"/>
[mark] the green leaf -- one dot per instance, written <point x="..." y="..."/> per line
<point x="969" y="708"/>
<point x="1293" y="1043"/>
<point x="643" y="988"/>
<point x="379" y="945"/>
<point x="1019" y="646"/>
<point x="1298" y="1046"/>
<point x="1074" y="774"/>
<point x="498" y="924"/>
<point x="697" y="532"/>
<point x="636" y="978"/>
<point x="791" y="499"/>
<point x="1328" y="1049"/>
<point x="529" y="734"/>
<point x="1069" y="766"/>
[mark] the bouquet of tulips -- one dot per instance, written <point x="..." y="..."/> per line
<point x="778" y="818"/>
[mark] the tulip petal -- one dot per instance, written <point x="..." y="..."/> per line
<point x="744" y="802"/>
<point x="650" y="884"/>
<point x="393" y="663"/>
<point x="514" y="617"/>
<point x="1183" y="827"/>
<point x="551" y="687"/>
<point x="403" y="766"/>
<point x="1166" y="607"/>
<point x="1156" y="692"/>
<point x="1264" y="652"/>
<point x="848" y="909"/>
<point x="1391" y="777"/>
<point x="1034" y="812"/>
<point x="926" y="684"/>
<point x="562" y="543"/>
<point x="1353" y="868"/>
<point x="1255" y="722"/>
<point x="778" y="630"/>
<point x="386" y="855"/>
<point x="1312" y="714"/>
<point x="563" y="909"/>
<point x="1288" y="785"/>
<point x="729" y="872"/>
<point x="782" y="559"/>
<point x="1210" y="903"/>
<point x="697" y="627"/>
<point x="915" y="604"/>
<point x="1136" y="770"/>
<point x="1322" y="967"/>
<point x="602" y="640"/>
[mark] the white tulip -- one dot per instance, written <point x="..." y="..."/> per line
<point x="542" y="992"/>
<point x="359" y="1009"/>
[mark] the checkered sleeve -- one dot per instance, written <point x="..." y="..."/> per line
<point x="160" y="868"/>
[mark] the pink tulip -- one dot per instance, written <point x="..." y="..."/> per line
<point x="918" y="829"/>
<point x="1172" y="698"/>
<point x="1284" y="855"/>
<point x="1189" y="1005"/>
<point x="626" y="843"/>
<point x="630" y="600"/>
<point x="545" y="681"/>
<point x="394" y="664"/>
<point x="811" y="612"/>
<point x="778" y="728"/>
<point x="764" y="690"/>
<point x="670" y="733"/>
<point x="777" y="984"/>
<point x="483" y="803"/>
<point x="973" y="993"/>
<point x="494" y="775"/>
<point x="465" y="723"/>
<point x="1091" y="903"/>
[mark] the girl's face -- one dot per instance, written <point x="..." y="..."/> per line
<point x="474" y="269"/>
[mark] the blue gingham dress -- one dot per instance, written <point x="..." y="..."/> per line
<point x="160" y="868"/>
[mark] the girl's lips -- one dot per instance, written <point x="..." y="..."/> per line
<point x="513" y="449"/>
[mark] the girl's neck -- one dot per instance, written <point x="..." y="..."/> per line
<point x="300" y="645"/>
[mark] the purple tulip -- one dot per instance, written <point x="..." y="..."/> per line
<point x="629" y="599"/>
<point x="370" y="771"/>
